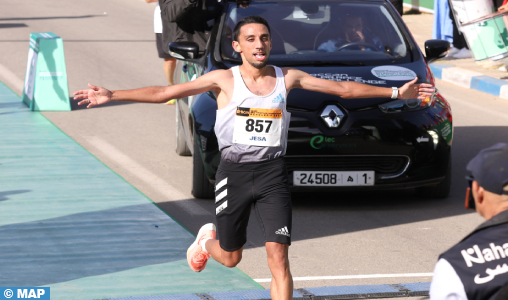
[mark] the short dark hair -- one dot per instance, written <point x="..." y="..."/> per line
<point x="249" y="20"/>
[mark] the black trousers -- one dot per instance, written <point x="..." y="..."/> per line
<point x="398" y="5"/>
<point x="459" y="41"/>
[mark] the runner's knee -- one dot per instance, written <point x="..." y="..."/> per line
<point x="231" y="259"/>
<point x="231" y="262"/>
<point x="278" y="260"/>
<point x="277" y="255"/>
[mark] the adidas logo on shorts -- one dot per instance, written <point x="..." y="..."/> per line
<point x="283" y="231"/>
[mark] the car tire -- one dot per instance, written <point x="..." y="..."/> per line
<point x="201" y="186"/>
<point x="439" y="191"/>
<point x="181" y="145"/>
<point x="182" y="148"/>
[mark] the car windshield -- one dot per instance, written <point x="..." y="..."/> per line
<point x="323" y="32"/>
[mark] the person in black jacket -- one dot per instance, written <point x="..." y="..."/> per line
<point x="399" y="5"/>
<point x="169" y="61"/>
<point x="188" y="21"/>
<point x="477" y="267"/>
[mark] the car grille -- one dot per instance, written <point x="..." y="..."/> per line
<point x="382" y="165"/>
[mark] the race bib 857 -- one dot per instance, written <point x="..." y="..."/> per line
<point x="258" y="127"/>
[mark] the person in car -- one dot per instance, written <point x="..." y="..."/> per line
<point x="251" y="128"/>
<point x="353" y="31"/>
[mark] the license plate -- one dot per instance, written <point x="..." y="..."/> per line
<point x="327" y="178"/>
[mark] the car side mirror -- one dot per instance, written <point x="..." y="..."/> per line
<point x="184" y="50"/>
<point x="436" y="49"/>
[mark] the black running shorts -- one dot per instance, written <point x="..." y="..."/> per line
<point x="264" y="184"/>
<point x="160" y="50"/>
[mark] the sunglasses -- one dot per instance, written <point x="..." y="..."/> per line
<point x="469" y="193"/>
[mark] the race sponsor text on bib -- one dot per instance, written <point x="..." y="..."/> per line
<point x="258" y="126"/>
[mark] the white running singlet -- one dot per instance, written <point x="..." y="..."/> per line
<point x="252" y="127"/>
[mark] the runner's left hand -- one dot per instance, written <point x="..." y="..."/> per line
<point x="414" y="90"/>
<point x="96" y="95"/>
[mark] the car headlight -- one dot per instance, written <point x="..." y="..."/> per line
<point x="435" y="137"/>
<point x="401" y="105"/>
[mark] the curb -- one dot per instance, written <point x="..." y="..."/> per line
<point x="470" y="79"/>
<point x="320" y="293"/>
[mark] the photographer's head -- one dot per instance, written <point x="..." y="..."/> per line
<point x="489" y="181"/>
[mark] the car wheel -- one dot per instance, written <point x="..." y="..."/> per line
<point x="439" y="191"/>
<point x="181" y="145"/>
<point x="201" y="186"/>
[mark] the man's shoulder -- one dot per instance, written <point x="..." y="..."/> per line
<point x="221" y="75"/>
<point x="289" y="70"/>
<point x="222" y="72"/>
<point x="481" y="237"/>
<point x="499" y="220"/>
<point x="446" y="283"/>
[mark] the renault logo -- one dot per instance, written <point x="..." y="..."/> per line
<point x="332" y="115"/>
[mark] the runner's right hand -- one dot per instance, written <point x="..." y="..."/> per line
<point x="96" y="95"/>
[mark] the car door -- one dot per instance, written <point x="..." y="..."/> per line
<point x="188" y="72"/>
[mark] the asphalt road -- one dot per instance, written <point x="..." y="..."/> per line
<point x="112" y="44"/>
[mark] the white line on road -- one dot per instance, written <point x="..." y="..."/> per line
<point x="10" y="79"/>
<point x="352" y="277"/>
<point x="161" y="186"/>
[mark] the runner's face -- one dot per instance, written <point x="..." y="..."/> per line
<point x="254" y="44"/>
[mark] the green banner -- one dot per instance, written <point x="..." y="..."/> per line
<point x="487" y="39"/>
<point x="446" y="130"/>
<point x="46" y="87"/>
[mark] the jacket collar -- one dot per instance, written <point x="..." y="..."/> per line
<point x="500" y="218"/>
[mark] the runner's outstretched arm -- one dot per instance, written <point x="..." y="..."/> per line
<point x="349" y="89"/>
<point x="97" y="95"/>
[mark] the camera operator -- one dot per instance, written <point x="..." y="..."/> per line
<point x="188" y="21"/>
<point x="477" y="267"/>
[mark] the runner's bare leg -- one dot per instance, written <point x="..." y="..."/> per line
<point x="278" y="262"/>
<point x="169" y="69"/>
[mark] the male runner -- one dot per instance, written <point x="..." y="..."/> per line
<point x="251" y="168"/>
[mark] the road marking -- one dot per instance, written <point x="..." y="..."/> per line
<point x="161" y="186"/>
<point x="309" y="278"/>
<point x="10" y="79"/>
<point x="422" y="139"/>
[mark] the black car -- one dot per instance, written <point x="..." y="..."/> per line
<point x="333" y="143"/>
